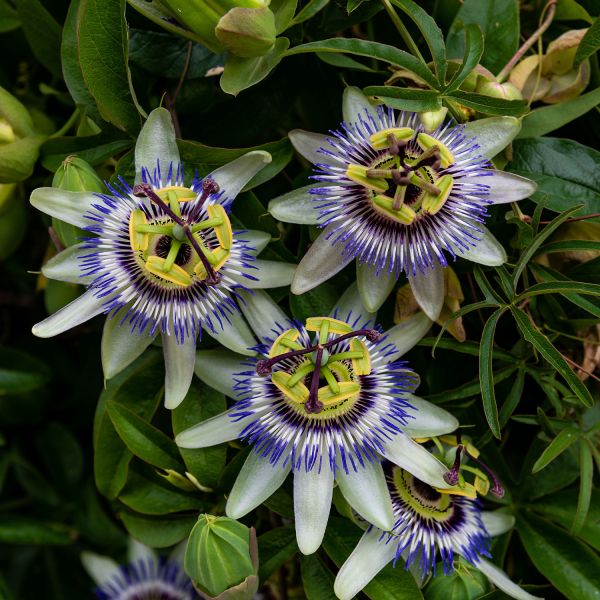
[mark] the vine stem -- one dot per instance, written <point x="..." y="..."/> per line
<point x="550" y="9"/>
<point x="70" y="122"/>
<point x="402" y="29"/>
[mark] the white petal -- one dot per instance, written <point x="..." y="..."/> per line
<point x="415" y="459"/>
<point x="307" y="144"/>
<point x="179" y="368"/>
<point x="493" y="133"/>
<point x="258" y="240"/>
<point x="407" y="334"/>
<point x="322" y="261"/>
<point x="257" y="480"/>
<point x="66" y="266"/>
<point x="369" y="557"/>
<point x="428" y="290"/>
<point x="235" y="334"/>
<point x="262" y="313"/>
<point x="80" y="310"/>
<point x="137" y="552"/>
<point x="156" y="141"/>
<point x="298" y="206"/>
<point x="368" y="494"/>
<point x="374" y="288"/>
<point x="120" y="347"/>
<point x="233" y="176"/>
<point x="500" y="579"/>
<point x="351" y="308"/>
<point x="268" y="274"/>
<point x="488" y="251"/>
<point x="66" y="206"/>
<point x="313" y="491"/>
<point x="100" y="568"/>
<point x="216" y="430"/>
<point x="497" y="522"/>
<point x="430" y="420"/>
<point x="217" y="369"/>
<point x="506" y="187"/>
<point x="354" y="105"/>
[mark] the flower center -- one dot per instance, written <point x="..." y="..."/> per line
<point x="404" y="181"/>
<point x="321" y="377"/>
<point x="420" y="497"/>
<point x="181" y="250"/>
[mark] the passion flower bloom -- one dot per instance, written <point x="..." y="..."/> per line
<point x="430" y="521"/>
<point x="399" y="199"/>
<point x="144" y="576"/>
<point x="327" y="400"/>
<point x="161" y="258"/>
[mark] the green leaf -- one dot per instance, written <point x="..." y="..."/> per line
<point x="42" y="33"/>
<point x="579" y="574"/>
<point x="275" y="547"/>
<point x="389" y="54"/>
<point x="486" y="373"/>
<point x="150" y="494"/>
<point x="559" y="507"/>
<point x="586" y="482"/>
<point x="103" y="52"/>
<point x="538" y="240"/>
<point x="499" y="22"/>
<point x="242" y="73"/>
<point x="309" y="10"/>
<point x="94" y="149"/>
<point x="560" y="287"/>
<point x="16" y="529"/>
<point x="566" y="173"/>
<point x="143" y="439"/>
<point x="9" y="19"/>
<point x="466" y="347"/>
<point x="206" y="159"/>
<point x="570" y="10"/>
<point x="489" y="105"/>
<point x="21" y="372"/>
<point x="410" y="99"/>
<point x="201" y="403"/>
<point x="545" y="119"/>
<point x="139" y="388"/>
<point x="471" y="58"/>
<point x="565" y="439"/>
<point x="318" y="301"/>
<point x="589" y="44"/>
<point x="513" y="398"/>
<point x="391" y="583"/>
<point x="158" y="532"/>
<point x="344" y="62"/>
<point x="317" y="579"/>
<point x="61" y="454"/>
<point x="552" y="355"/>
<point x="569" y="246"/>
<point x="430" y="32"/>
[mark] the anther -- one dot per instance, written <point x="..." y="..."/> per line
<point x="497" y="489"/>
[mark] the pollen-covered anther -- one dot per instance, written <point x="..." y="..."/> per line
<point x="172" y="273"/>
<point x="359" y="174"/>
<point x="138" y="240"/>
<point x="387" y="138"/>
<point x="426" y="142"/>
<point x="433" y="203"/>
<point x="402" y="214"/>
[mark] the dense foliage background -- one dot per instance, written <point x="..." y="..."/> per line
<point x="74" y="477"/>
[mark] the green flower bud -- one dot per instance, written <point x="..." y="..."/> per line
<point x="506" y="91"/>
<point x="432" y="119"/>
<point x="13" y="221"/>
<point x="247" y="32"/>
<point x="221" y="558"/>
<point x="202" y="17"/>
<point x="74" y="175"/>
